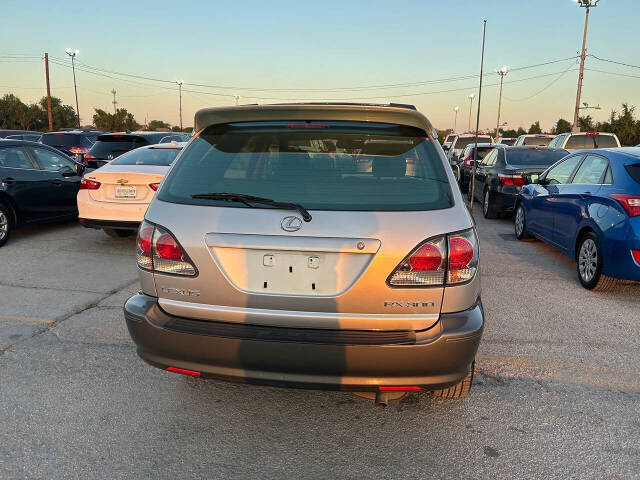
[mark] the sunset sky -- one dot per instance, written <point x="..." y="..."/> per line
<point x="276" y="51"/>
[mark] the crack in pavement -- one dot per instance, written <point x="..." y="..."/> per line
<point x="61" y="318"/>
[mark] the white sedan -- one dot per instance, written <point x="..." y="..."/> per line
<point x="115" y="197"/>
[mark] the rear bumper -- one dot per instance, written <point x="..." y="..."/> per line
<point x="99" y="214"/>
<point x="100" y="224"/>
<point x="305" y="358"/>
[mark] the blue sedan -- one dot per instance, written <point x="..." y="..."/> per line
<point x="588" y="206"/>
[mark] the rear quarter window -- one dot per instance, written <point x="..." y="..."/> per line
<point x="634" y="171"/>
<point x="348" y="166"/>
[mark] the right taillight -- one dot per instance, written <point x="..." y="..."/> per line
<point x="450" y="259"/>
<point x="86" y="184"/>
<point x="631" y="203"/>
<point x="463" y="257"/>
<point x="157" y="250"/>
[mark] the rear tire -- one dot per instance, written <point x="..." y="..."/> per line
<point x="118" y="232"/>
<point x="6" y="223"/>
<point x="589" y="265"/>
<point x="488" y="210"/>
<point x="459" y="390"/>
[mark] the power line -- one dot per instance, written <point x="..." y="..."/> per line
<point x="332" y="89"/>
<point x="612" y="73"/>
<point x="546" y="87"/>
<point x="613" y="61"/>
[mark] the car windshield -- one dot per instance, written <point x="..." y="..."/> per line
<point x="508" y="141"/>
<point x="483" y="151"/>
<point x="148" y="156"/>
<point x="61" y="139"/>
<point x="526" y="157"/>
<point x="320" y="165"/>
<point x="539" y="141"/>
<point x="464" y="141"/>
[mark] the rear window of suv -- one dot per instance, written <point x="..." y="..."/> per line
<point x="539" y="141"/>
<point x="464" y="141"/>
<point x="62" y="139"/>
<point x="115" y="145"/>
<point x="320" y="165"/>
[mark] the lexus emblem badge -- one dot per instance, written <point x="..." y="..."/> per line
<point x="291" y="224"/>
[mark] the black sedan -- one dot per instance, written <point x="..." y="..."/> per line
<point x="505" y="170"/>
<point x="37" y="184"/>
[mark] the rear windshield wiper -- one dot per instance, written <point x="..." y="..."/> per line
<point x="249" y="199"/>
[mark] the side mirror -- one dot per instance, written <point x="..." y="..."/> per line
<point x="456" y="172"/>
<point x="446" y="148"/>
<point x="79" y="169"/>
<point x="542" y="181"/>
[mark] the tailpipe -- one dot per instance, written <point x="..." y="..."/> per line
<point x="382" y="399"/>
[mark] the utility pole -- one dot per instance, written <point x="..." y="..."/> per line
<point x="180" y="82"/>
<point x="502" y="72"/>
<point x="587" y="4"/>
<point x="471" y="96"/>
<point x="46" y="69"/>
<point x="115" y="110"/>
<point x="455" y="121"/>
<point x="72" y="54"/>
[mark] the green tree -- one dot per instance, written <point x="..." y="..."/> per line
<point x="511" y="133"/>
<point x="520" y="131"/>
<point x="586" y="124"/>
<point x="562" y="126"/>
<point x="156" y="124"/>
<point x="63" y="116"/>
<point x="535" y="127"/>
<point x="113" y="122"/>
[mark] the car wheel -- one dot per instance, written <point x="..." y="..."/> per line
<point x="6" y="223"/>
<point x="589" y="264"/>
<point x="520" y="223"/>
<point x="487" y="209"/>
<point x="118" y="233"/>
<point x="459" y="390"/>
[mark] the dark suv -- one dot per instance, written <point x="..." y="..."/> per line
<point x="112" y="145"/>
<point x="74" y="143"/>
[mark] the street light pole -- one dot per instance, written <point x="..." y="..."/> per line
<point x="471" y="96"/>
<point x="455" y="122"/>
<point x="180" y="82"/>
<point x="587" y="4"/>
<point x="72" y="54"/>
<point x="502" y="72"/>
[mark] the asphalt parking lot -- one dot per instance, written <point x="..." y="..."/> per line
<point x="556" y="395"/>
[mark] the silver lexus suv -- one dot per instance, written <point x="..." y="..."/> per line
<point x="311" y="245"/>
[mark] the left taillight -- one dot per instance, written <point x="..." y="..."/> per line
<point x="76" y="150"/>
<point x="158" y="251"/>
<point x="450" y="259"/>
<point x="86" y="184"/>
<point x="154" y="186"/>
